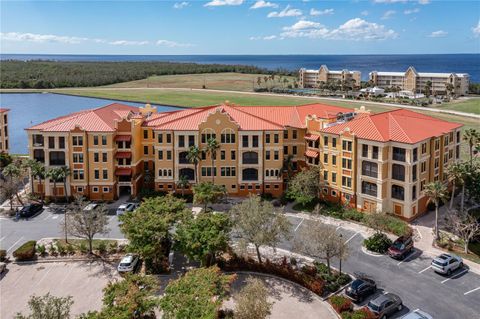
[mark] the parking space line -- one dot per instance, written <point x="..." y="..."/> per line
<point x="44" y="275"/>
<point x="2" y="238"/>
<point x="405" y="259"/>
<point x="14" y="244"/>
<point x="47" y="217"/>
<point x="452" y="277"/>
<point x="425" y="269"/>
<point x="336" y="229"/>
<point x="471" y="291"/>
<point x="299" y="224"/>
<point x="352" y="237"/>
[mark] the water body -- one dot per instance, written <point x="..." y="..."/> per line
<point x="459" y="63"/>
<point x="29" y="109"/>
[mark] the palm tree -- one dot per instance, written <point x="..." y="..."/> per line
<point x="183" y="183"/>
<point x="29" y="164"/>
<point x="63" y="176"/>
<point x="194" y="156"/>
<point x="38" y="171"/>
<point x="472" y="137"/>
<point x="449" y="88"/>
<point x="55" y="174"/>
<point x="436" y="193"/>
<point x="259" y="81"/>
<point x="211" y="149"/>
<point x="455" y="173"/>
<point x="428" y="88"/>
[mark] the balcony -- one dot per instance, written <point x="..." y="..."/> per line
<point x="250" y="158"/>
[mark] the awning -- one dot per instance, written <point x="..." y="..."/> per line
<point x="123" y="155"/>
<point x="123" y="138"/>
<point x="312" y="137"/>
<point x="310" y="153"/>
<point x="123" y="172"/>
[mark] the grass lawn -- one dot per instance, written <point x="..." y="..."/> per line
<point x="216" y="81"/>
<point x="471" y="105"/>
<point x="78" y="242"/>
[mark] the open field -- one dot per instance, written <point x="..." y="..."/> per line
<point x="216" y="81"/>
<point x="471" y="105"/>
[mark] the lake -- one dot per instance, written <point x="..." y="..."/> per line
<point x="33" y="108"/>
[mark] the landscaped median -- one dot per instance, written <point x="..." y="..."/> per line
<point x="344" y="307"/>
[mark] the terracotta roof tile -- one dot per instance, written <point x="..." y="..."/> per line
<point x="2" y="110"/>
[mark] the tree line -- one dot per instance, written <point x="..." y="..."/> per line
<point x="43" y="74"/>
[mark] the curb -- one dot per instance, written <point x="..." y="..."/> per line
<point x="62" y="260"/>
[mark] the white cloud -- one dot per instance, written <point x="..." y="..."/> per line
<point x="218" y="3"/>
<point x="172" y="44"/>
<point x="401" y="1"/>
<point x="263" y="4"/>
<point x="180" y="5"/>
<point x="126" y="42"/>
<point x="287" y="12"/>
<point x="355" y="29"/>
<point x="388" y="14"/>
<point x="314" y="12"/>
<point x="267" y="38"/>
<point x="476" y="30"/>
<point x="40" y="38"/>
<point x="438" y="34"/>
<point x="364" y="13"/>
<point x="424" y="1"/>
<point x="411" y="11"/>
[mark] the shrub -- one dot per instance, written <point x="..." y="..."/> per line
<point x="321" y="268"/>
<point x="52" y="249"/>
<point x="341" y="303"/>
<point x="353" y="214"/>
<point x="41" y="250"/>
<point x="293" y="261"/>
<point x="358" y="314"/>
<point x="112" y="247"/>
<point x="3" y="254"/>
<point x="70" y="249"/>
<point x="102" y="247"/>
<point x="83" y="247"/>
<point x="62" y="249"/>
<point x="26" y="251"/>
<point x="397" y="226"/>
<point x="343" y="279"/>
<point x="378" y="242"/>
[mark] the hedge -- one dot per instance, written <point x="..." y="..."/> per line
<point x="341" y="303"/>
<point x="26" y="251"/>
<point x="3" y="254"/>
<point x="378" y="242"/>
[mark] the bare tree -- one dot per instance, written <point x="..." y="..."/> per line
<point x="464" y="225"/>
<point x="319" y="241"/>
<point x="343" y="252"/>
<point x="252" y="301"/>
<point x="85" y="224"/>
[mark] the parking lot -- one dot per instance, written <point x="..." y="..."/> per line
<point x="83" y="281"/>
<point x="419" y="287"/>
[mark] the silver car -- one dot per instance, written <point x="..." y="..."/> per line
<point x="127" y="207"/>
<point x="447" y="263"/>
<point x="128" y="263"/>
<point x="417" y="314"/>
<point x="385" y="305"/>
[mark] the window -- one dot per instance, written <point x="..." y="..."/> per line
<point x="96" y="157"/>
<point x="51" y="142"/>
<point x="422" y="185"/>
<point x="255" y="141"/>
<point x="79" y="189"/>
<point x="208" y="134"/>
<point x="398" y="172"/>
<point x="285" y="134"/>
<point x="250" y="174"/>
<point x="415" y="154"/>
<point x="232" y="155"/>
<point x="325" y="175"/>
<point x="104" y="157"/>
<point x="106" y="189"/>
<point x="294" y="150"/>
<point x="370" y="169"/>
<point x="204" y="155"/>
<point x="424" y="148"/>
<point x="414" y="173"/>
<point x="145" y="134"/>
<point x="78" y="174"/>
<point x="105" y="174"/>
<point x="334" y="177"/>
<point x="250" y="158"/>
<point x="346" y="163"/>
<point x="160" y="155"/>
<point x="275" y="138"/>
<point x="95" y="140"/>
<point x="375" y="152"/>
<point x="436" y="162"/>
<point x="160" y="138"/>
<point x="267" y="138"/>
<point x="414" y="192"/>
<point x="294" y="134"/>
<point x="57" y="158"/>
<point x="267" y="155"/>
<point x="347" y="181"/>
<point x="77" y="140"/>
<point x="458" y="137"/>
<point x="285" y="150"/>
<point x="228" y="171"/>
<point x="61" y="142"/>
<point x="437" y="144"/>
<point x="145" y="150"/>
<point x="183" y="158"/>
<point x="369" y="188"/>
<point x="347" y="146"/>
<point x="169" y="155"/>
<point x="423" y="167"/>
<point x="39" y="155"/>
<point x="325" y="141"/>
<point x="325" y="158"/>
<point x="445" y="158"/>
<point x="95" y="189"/>
<point x="181" y="141"/>
<point x="457" y="151"/>
<point x="334" y="160"/>
<point x="398" y="154"/>
<point x="275" y="155"/>
<point x="365" y="150"/>
<point x="104" y="140"/>
<point x="245" y="141"/>
<point x="191" y="140"/>
<point x="188" y="173"/>
<point x="334" y="142"/>
<point x="96" y="174"/>
<point x="78" y="157"/>
<point x="398" y="192"/>
<point x="222" y="155"/>
<point x="169" y="138"/>
<point x="208" y="171"/>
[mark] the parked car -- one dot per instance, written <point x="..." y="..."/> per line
<point x="385" y="305"/>
<point x="360" y="288"/>
<point x="128" y="263"/>
<point x="447" y="263"/>
<point x="30" y="210"/>
<point x="401" y="247"/>
<point x="3" y="267"/>
<point x="127" y="207"/>
<point x="90" y="207"/>
<point x="417" y="314"/>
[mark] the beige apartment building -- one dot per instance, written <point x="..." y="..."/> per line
<point x="4" y="146"/>
<point x="414" y="81"/>
<point x="315" y="78"/>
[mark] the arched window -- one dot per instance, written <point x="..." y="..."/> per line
<point x="228" y="136"/>
<point x="398" y="192"/>
<point x="250" y="174"/>
<point x="182" y="158"/>
<point x="207" y="134"/>
<point x="188" y="173"/>
<point x="398" y="172"/>
<point x="250" y="158"/>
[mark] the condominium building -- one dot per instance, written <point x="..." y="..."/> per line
<point x="373" y="162"/>
<point x="4" y="147"/>
<point x="411" y="80"/>
<point x="315" y="78"/>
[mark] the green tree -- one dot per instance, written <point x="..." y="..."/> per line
<point x="260" y="223"/>
<point x="288" y="168"/>
<point x="65" y="173"/>
<point x="207" y="193"/>
<point x="427" y="89"/>
<point x="194" y="156"/>
<point x="304" y="187"/>
<point x="212" y="147"/>
<point x="5" y="159"/>
<point x="252" y="301"/>
<point x="449" y="87"/>
<point x="436" y="193"/>
<point x="183" y="183"/>
<point x="197" y="294"/>
<point x="202" y="237"/>
<point x="55" y="174"/>
<point x="472" y="137"/>
<point x="14" y="172"/>
<point x="48" y="307"/>
<point x="456" y="175"/>
<point x="32" y="166"/>
<point x="167" y="207"/>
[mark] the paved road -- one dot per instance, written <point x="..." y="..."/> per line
<point x="457" y="296"/>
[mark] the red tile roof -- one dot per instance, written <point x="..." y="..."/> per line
<point x="2" y="110"/>
<point x="310" y="153"/>
<point x="400" y="125"/>
<point x="123" y="172"/>
<point x="312" y="137"/>
<point x="101" y="119"/>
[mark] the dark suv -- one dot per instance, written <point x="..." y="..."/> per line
<point x="401" y="247"/>
<point x="361" y="288"/>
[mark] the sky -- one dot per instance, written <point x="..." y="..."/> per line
<point x="240" y="27"/>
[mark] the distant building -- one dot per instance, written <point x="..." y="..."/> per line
<point x="375" y="91"/>
<point x="4" y="147"/>
<point x="414" y="81"/>
<point x="314" y="78"/>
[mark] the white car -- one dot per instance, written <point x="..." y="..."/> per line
<point x="128" y="263"/>
<point x="127" y="207"/>
<point x="417" y="314"/>
<point x="90" y="207"/>
<point x="447" y="263"/>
